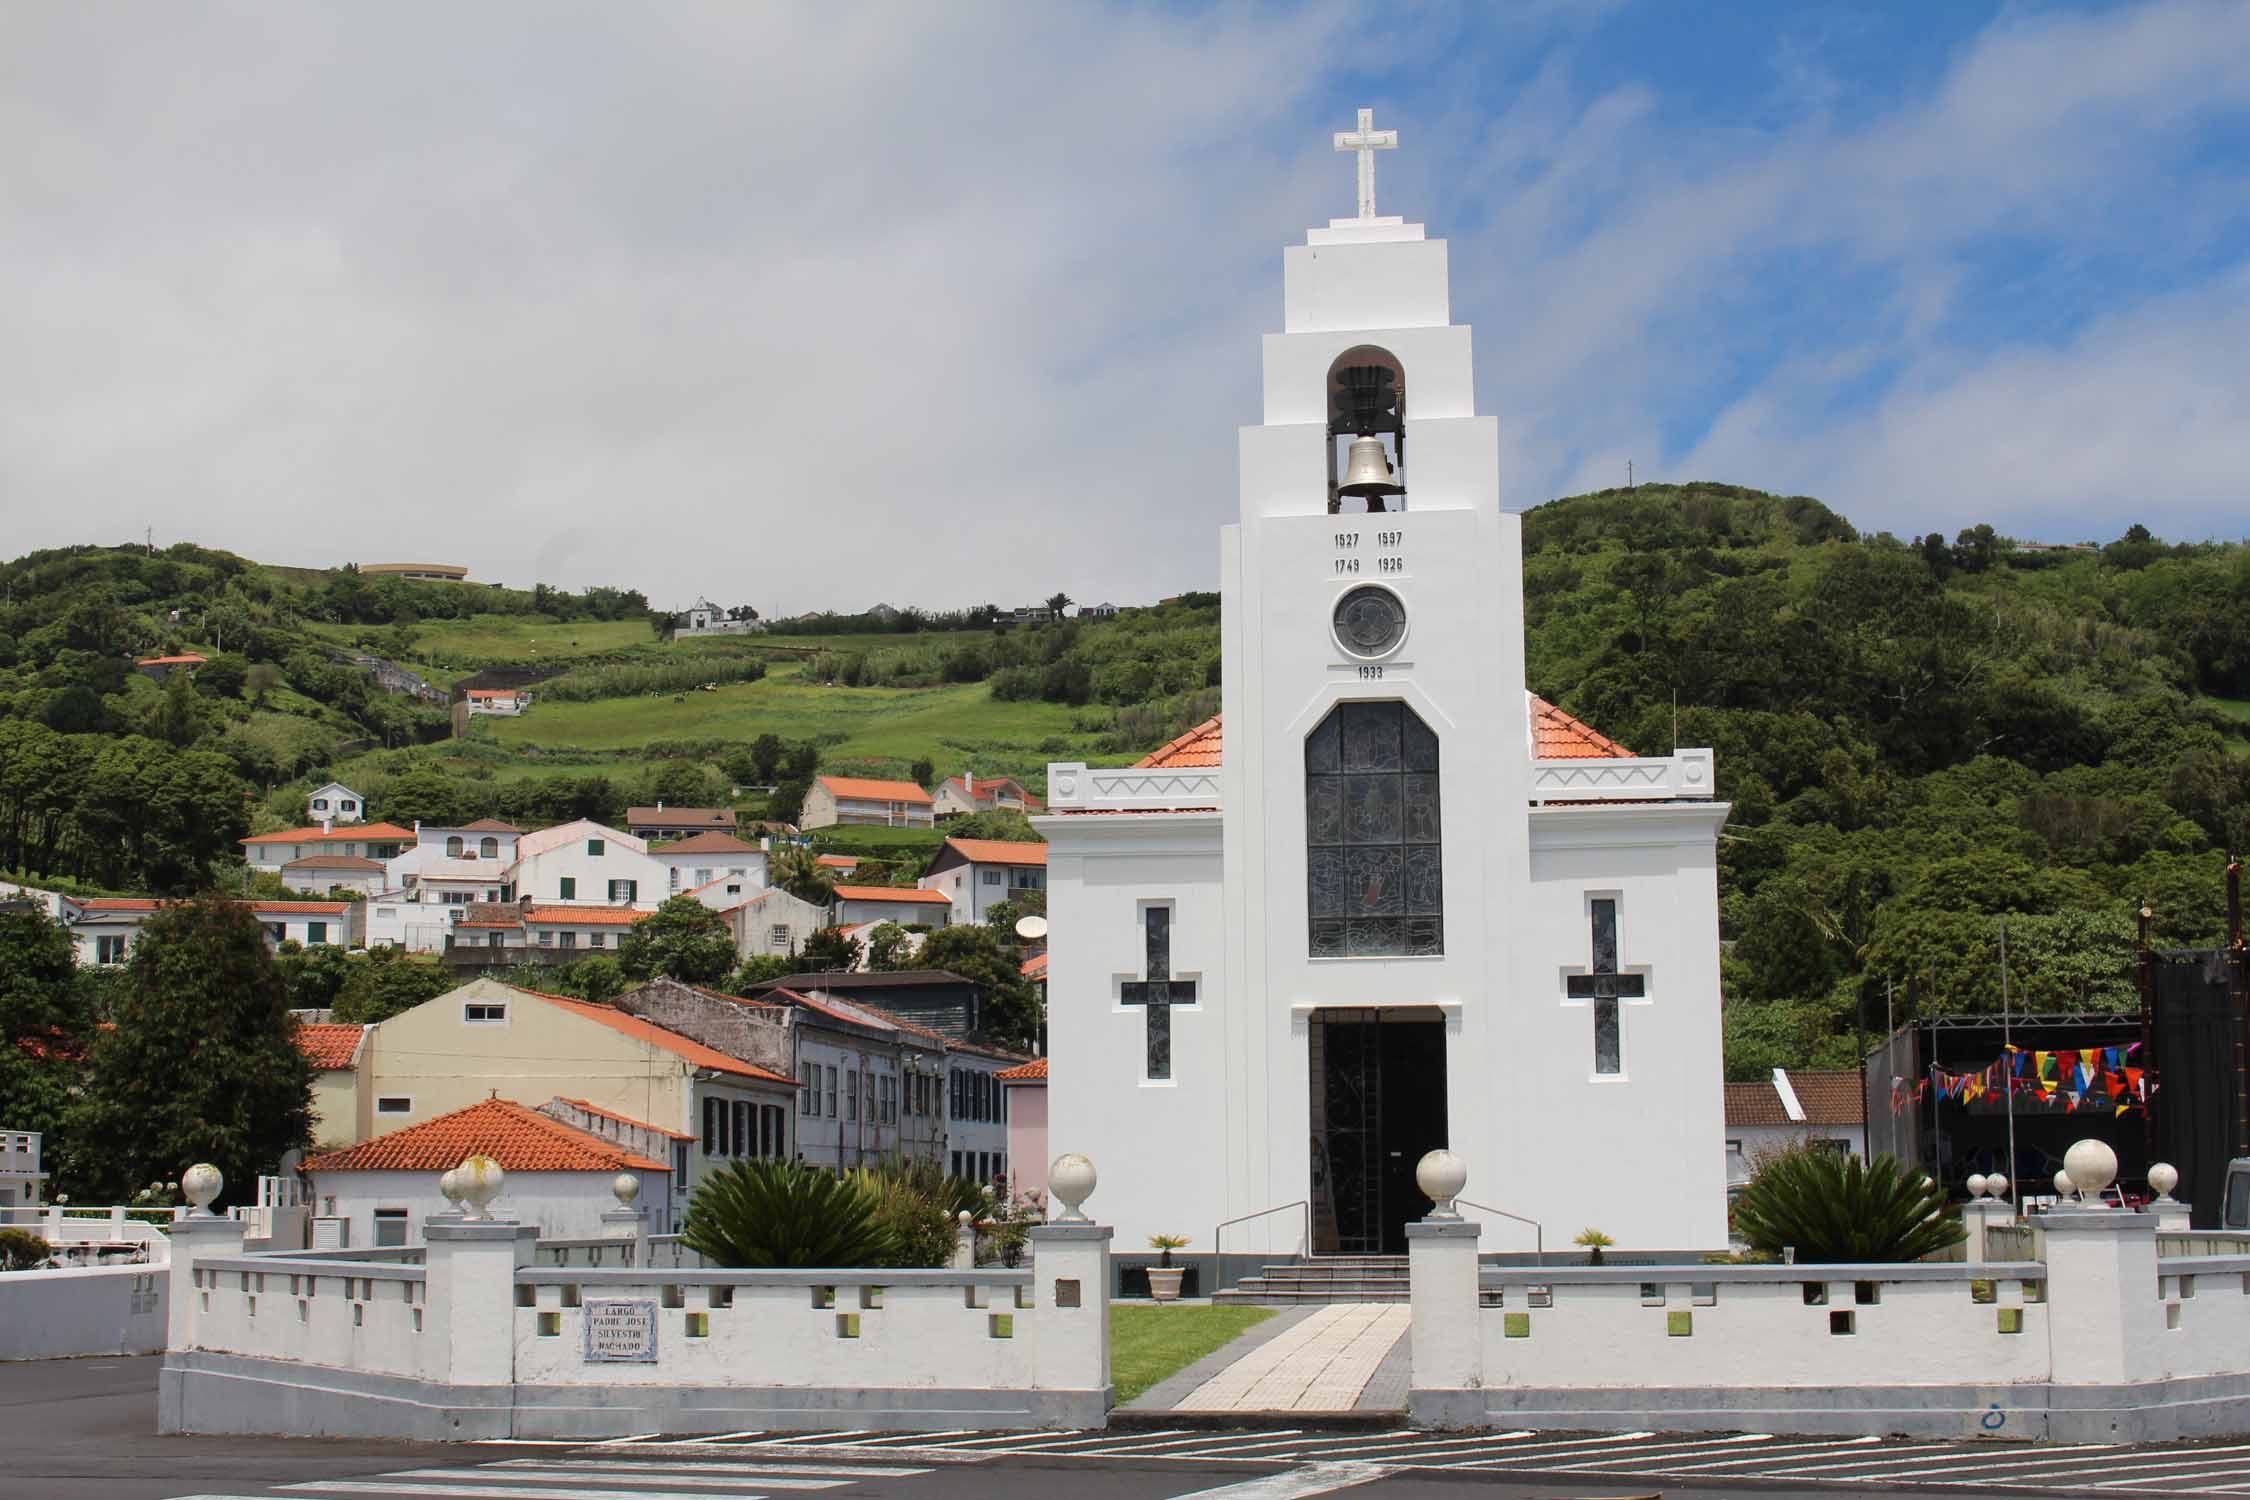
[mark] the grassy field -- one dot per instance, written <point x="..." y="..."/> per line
<point x="2236" y="710"/>
<point x="869" y="728"/>
<point x="1146" y="1344"/>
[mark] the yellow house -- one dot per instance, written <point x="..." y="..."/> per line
<point x="338" y="1054"/>
<point x="490" y="1040"/>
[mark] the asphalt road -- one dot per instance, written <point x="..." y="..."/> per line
<point x="85" y="1430"/>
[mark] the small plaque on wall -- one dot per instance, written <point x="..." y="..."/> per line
<point x="1066" y="1293"/>
<point x="620" y="1332"/>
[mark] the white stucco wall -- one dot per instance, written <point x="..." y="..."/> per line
<point x="565" y="1205"/>
<point x="68" y="1314"/>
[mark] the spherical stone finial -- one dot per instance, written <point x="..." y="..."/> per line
<point x="1071" y="1179"/>
<point x="479" y="1180"/>
<point x="1976" y="1185"/>
<point x="1997" y="1184"/>
<point x="625" y="1187"/>
<point x="962" y="1218"/>
<point x="1441" y="1174"/>
<point x="200" y="1184"/>
<point x="449" y="1187"/>
<point x="2064" y="1187"/>
<point x="2163" y="1177"/>
<point x="2092" y="1165"/>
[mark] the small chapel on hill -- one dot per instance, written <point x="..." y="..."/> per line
<point x="1388" y="900"/>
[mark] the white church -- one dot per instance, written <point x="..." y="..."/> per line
<point x="1388" y="900"/>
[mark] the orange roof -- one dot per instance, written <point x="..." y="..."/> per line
<point x="706" y="843"/>
<point x="370" y="833"/>
<point x="331" y="1046"/>
<point x="1030" y="1072"/>
<point x="838" y="861"/>
<point x="308" y="908"/>
<point x="890" y="893"/>
<point x="333" y="862"/>
<point x="685" y="1048"/>
<point x="1200" y="746"/>
<point x="1035" y="967"/>
<point x="865" y="790"/>
<point x="169" y="661"/>
<point x="611" y="1114"/>
<point x="520" y="1139"/>
<point x="586" y="916"/>
<point x="986" y="788"/>
<point x="494" y="692"/>
<point x="489" y="825"/>
<point x="1555" y="735"/>
<point x="999" y="851"/>
<point x="119" y="904"/>
<point x="1827" y="1096"/>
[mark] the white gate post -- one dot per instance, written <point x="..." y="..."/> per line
<point x="1445" y="1341"/>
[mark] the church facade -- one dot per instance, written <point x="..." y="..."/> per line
<point x="1388" y="900"/>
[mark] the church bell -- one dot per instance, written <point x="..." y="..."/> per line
<point x="1369" y="472"/>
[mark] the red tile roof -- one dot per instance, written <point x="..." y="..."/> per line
<point x="685" y="1048"/>
<point x="988" y="788"/>
<point x="586" y="916"/>
<point x="611" y="1114"/>
<point x="169" y="661"/>
<point x="520" y="1139"/>
<point x="119" y="904"/>
<point x="679" y="817"/>
<point x="1031" y="1072"/>
<point x="331" y="1046"/>
<point x="489" y="825"/>
<point x="999" y="851"/>
<point x="862" y="789"/>
<point x="890" y="893"/>
<point x="837" y="861"/>
<point x="1035" y="968"/>
<point x="334" y="862"/>
<point x="706" y="843"/>
<point x="370" y="833"/>
<point x="1827" y="1097"/>
<point x="299" y="908"/>
<point x="1555" y="735"/>
<point x="1200" y="746"/>
<point x="494" y="692"/>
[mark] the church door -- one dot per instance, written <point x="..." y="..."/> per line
<point x="1378" y="1104"/>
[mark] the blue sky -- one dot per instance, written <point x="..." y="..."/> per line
<point x="810" y="306"/>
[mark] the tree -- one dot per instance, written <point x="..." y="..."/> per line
<point x="1002" y="823"/>
<point x="765" y="758"/>
<point x="1011" y="1002"/>
<point x="757" y="969"/>
<point x="683" y="939"/>
<point x="786" y="802"/>
<point x="1057" y="602"/>
<point x="385" y="982"/>
<point x="802" y="760"/>
<point x="830" y="950"/>
<point x="222" y="676"/>
<point x="888" y="948"/>
<point x="262" y="678"/>
<point x="923" y="772"/>
<point x="797" y="870"/>
<point x="202" y="1064"/>
<point x="1830" y="1209"/>
<point x="43" y="1020"/>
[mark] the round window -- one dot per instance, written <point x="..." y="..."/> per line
<point x="1370" y="621"/>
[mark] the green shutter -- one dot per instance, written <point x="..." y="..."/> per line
<point x="569" y="888"/>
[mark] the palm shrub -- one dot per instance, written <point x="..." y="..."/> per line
<point x="21" y="1250"/>
<point x="773" y="1215"/>
<point x="916" y="1203"/>
<point x="1831" y="1208"/>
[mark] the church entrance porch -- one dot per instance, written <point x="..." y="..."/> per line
<point x="1378" y="1104"/>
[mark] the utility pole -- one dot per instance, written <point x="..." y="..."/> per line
<point x="2008" y="1054"/>
<point x="1628" y="473"/>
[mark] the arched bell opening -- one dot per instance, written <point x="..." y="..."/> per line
<point x="1366" y="432"/>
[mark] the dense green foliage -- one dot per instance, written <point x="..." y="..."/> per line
<point x="778" y="1215"/>
<point x="683" y="939"/>
<point x="916" y="1203"/>
<point x="44" y="1020"/>
<point x="1831" y="1208"/>
<point x="201" y="1065"/>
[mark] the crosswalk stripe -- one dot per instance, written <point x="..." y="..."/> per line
<point x="1210" y="1440"/>
<point x="1296" y="1484"/>
<point x="1064" y="1442"/>
<point x="706" y="1466"/>
<point x="1659" y="1454"/>
<point x="770" y="1437"/>
<point x="917" y="1438"/>
<point x="1763" y="1456"/>
<point x="1951" y="1452"/>
<point x="1414" y="1444"/>
<point x="2169" y="1458"/>
<point x="1816" y="1467"/>
<point x="578" y="1473"/>
<point x="501" y="1491"/>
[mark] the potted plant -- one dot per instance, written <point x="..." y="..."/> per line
<point x="1594" y="1241"/>
<point x="1164" y="1277"/>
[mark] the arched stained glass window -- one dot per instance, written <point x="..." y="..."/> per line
<point x="1375" y="877"/>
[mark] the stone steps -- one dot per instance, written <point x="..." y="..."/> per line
<point x="1354" y="1278"/>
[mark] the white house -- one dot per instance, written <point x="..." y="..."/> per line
<point x="773" y="923"/>
<point x="974" y="874"/>
<point x="707" y="859"/>
<point x="861" y="800"/>
<point x="21" y="1180"/>
<point x="274" y="852"/>
<point x="558" y="1176"/>
<point x="505" y="702"/>
<point x="310" y="923"/>
<point x="958" y="796"/>
<point x="321" y="872"/>
<point x="707" y="618"/>
<point x="1809" y="1106"/>
<point x="905" y="905"/>
<point x="56" y="905"/>
<point x="105" y="928"/>
<point x="336" y="803"/>
<point x="565" y="928"/>
<point x="1387" y="901"/>
<point x="584" y="861"/>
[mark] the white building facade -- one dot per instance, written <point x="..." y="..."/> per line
<point x="584" y="861"/>
<point x="1365" y="919"/>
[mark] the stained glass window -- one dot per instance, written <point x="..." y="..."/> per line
<point x="1375" y="869"/>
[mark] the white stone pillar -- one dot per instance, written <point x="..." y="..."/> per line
<point x="1977" y="1215"/>
<point x="1070" y="1325"/>
<point x="194" y="1237"/>
<point x="469" y="1305"/>
<point x="2105" y="1322"/>
<point x="964" y="1243"/>
<point x="1446" y="1337"/>
<point x="628" y="1224"/>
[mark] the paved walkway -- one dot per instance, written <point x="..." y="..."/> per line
<point x="1333" y="1358"/>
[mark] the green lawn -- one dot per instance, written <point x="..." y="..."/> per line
<point x="1148" y="1343"/>
<point x="2238" y="711"/>
<point x="956" y="726"/>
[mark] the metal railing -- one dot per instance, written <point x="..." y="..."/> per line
<point x="1538" y="1230"/>
<point x="1219" y="1272"/>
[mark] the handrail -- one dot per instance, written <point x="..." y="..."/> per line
<point x="1219" y="1264"/>
<point x="1538" y="1231"/>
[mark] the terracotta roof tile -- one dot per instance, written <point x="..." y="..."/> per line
<point x="119" y="904"/>
<point x="1034" y="1071"/>
<point x="891" y="893"/>
<point x="1200" y="746"/>
<point x="519" y="1138"/>
<point x="837" y="861"/>
<point x="331" y="1046"/>
<point x="1555" y="735"/>
<point x="1035" y="968"/>
<point x="169" y="661"/>
<point x="365" y="833"/>
<point x="706" y="843"/>
<point x="296" y="908"/>
<point x="999" y="851"/>
<point x="586" y="916"/>
<point x="334" y="862"/>
<point x="489" y="825"/>
<point x="685" y="1048"/>
<point x="1827" y="1097"/>
<point x="863" y="789"/>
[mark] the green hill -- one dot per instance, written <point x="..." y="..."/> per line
<point x="1919" y="736"/>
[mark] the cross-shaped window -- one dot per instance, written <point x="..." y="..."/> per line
<point x="1603" y="987"/>
<point x="1159" y="992"/>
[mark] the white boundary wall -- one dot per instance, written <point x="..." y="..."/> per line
<point x="67" y="1313"/>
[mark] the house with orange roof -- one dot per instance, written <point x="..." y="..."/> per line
<point x="771" y="924"/>
<point x="338" y="1054"/>
<point x="711" y="859"/>
<point x="1024" y="1087"/>
<point x="975" y="874"/>
<point x="958" y="796"/>
<point x="276" y="851"/>
<point x="1387" y="899"/>
<point x="492" y="1040"/>
<point x="504" y="702"/>
<point x="906" y="905"/>
<point x="559" y="1174"/>
<point x="867" y="802"/>
<point x="106" y="929"/>
<point x="587" y="863"/>
<point x="161" y="667"/>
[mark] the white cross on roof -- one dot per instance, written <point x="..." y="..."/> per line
<point x="1367" y="140"/>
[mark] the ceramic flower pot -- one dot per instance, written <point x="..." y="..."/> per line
<point x="1164" y="1282"/>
